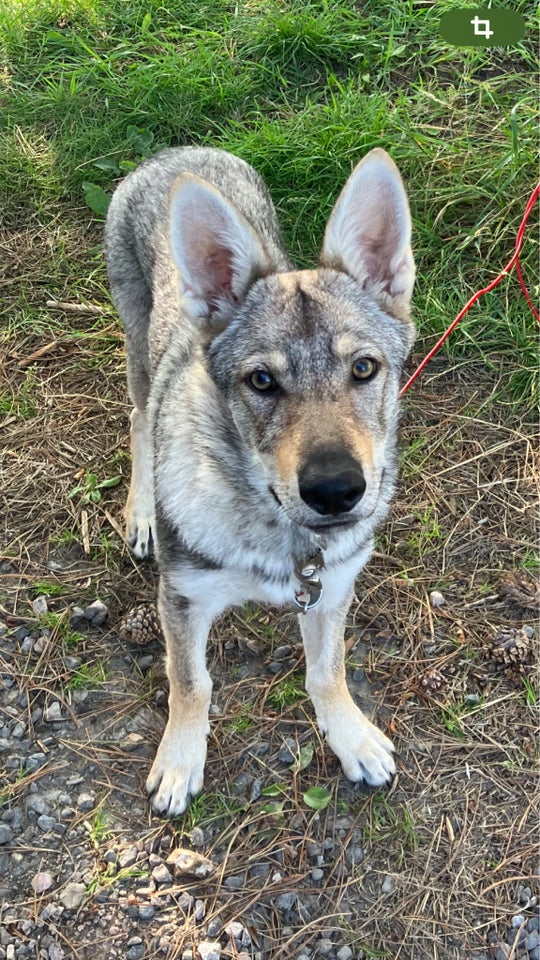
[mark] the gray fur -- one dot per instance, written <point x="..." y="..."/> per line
<point x="223" y="460"/>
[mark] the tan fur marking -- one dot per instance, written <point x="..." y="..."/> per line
<point x="305" y="280"/>
<point x="320" y="425"/>
<point x="287" y="453"/>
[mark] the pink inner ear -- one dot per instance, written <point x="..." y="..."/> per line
<point x="218" y="274"/>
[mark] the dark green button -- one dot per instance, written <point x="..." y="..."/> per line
<point x="482" y="27"/>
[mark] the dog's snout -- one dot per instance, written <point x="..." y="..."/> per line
<point x="331" y="482"/>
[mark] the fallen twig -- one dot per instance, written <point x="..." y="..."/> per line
<point x="91" y="308"/>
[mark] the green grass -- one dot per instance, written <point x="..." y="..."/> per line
<point x="287" y="692"/>
<point x="301" y="90"/>
<point x="89" y="676"/>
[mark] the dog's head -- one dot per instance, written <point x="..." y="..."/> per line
<point x="308" y="362"/>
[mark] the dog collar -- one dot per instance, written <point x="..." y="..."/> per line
<point x="310" y="591"/>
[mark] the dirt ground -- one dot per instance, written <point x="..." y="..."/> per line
<point x="439" y="866"/>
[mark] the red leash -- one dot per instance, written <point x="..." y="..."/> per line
<point x="514" y="261"/>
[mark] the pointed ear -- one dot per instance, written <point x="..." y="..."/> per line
<point x="216" y="251"/>
<point x="369" y="233"/>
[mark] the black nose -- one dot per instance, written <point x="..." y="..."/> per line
<point x="331" y="482"/>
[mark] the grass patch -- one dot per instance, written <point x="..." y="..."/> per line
<point x="301" y="91"/>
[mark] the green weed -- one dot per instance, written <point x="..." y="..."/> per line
<point x="87" y="677"/>
<point x="287" y="692"/>
<point x="91" y="487"/>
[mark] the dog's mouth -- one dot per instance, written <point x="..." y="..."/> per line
<point x="334" y="524"/>
<point x="322" y="526"/>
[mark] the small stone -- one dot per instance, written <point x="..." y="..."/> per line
<point x="185" y="902"/>
<point x="37" y="803"/>
<point x="190" y="863"/>
<point x="196" y="835"/>
<point x="6" y="834"/>
<point x="76" y="616"/>
<point x="52" y="712"/>
<point x="388" y="884"/>
<point x="436" y="599"/>
<point x="525" y="895"/>
<point x="317" y="874"/>
<point x="72" y="662"/>
<point x="286" y="901"/>
<point x="144" y="663"/>
<point x="287" y="752"/>
<point x="85" y="802"/>
<point x="345" y="953"/>
<point x="146" y="912"/>
<point x="200" y="910"/>
<point x="209" y="951"/>
<point x="214" y="927"/>
<point x="324" y="947"/>
<point x="136" y="952"/>
<point x="532" y="940"/>
<point x="256" y="790"/>
<point x="234" y="882"/>
<point x="128" y="857"/>
<point x="97" y="613"/>
<point x="281" y="653"/>
<point x="40" y="606"/>
<point x="161" y="875"/>
<point x="56" y="952"/>
<point x="46" y="823"/>
<point x="42" y="882"/>
<point x="72" y="896"/>
<point x="237" y="932"/>
<point x="35" y="760"/>
<point x="518" y="920"/>
<point x="19" y="730"/>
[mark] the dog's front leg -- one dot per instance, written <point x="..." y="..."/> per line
<point x="139" y="512"/>
<point x="178" y="770"/>
<point x="364" y="751"/>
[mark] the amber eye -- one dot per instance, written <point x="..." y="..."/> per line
<point x="364" y="368"/>
<point x="262" y="381"/>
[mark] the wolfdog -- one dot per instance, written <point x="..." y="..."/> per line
<point x="263" y="434"/>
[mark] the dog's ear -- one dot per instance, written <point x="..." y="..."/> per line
<point x="369" y="233"/>
<point x="216" y="251"/>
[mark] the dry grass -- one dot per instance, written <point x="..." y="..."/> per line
<point x="457" y="830"/>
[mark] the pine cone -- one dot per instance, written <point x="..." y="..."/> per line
<point x="432" y="681"/>
<point x="140" y="625"/>
<point x="513" y="648"/>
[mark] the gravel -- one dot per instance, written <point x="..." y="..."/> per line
<point x="79" y="866"/>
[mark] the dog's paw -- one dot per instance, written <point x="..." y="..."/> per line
<point x="364" y="751"/>
<point x="177" y="773"/>
<point x="139" y="533"/>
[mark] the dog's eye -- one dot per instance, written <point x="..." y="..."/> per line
<point x="364" y="368"/>
<point x="262" y="381"/>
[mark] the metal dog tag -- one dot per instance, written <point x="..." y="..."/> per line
<point x="311" y="588"/>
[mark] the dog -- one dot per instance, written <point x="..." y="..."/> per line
<point x="264" y="422"/>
